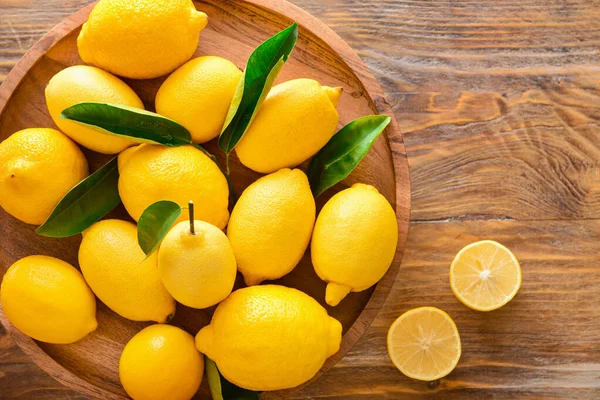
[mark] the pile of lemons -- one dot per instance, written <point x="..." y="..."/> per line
<point x="262" y="337"/>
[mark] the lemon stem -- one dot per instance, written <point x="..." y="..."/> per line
<point x="191" y="213"/>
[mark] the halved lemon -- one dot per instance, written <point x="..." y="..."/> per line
<point x="424" y="344"/>
<point x="485" y="275"/>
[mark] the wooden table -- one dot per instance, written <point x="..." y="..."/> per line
<point x="499" y="101"/>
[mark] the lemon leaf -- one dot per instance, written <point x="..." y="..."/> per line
<point x="338" y="158"/>
<point x="221" y="388"/>
<point x="262" y="68"/>
<point x="133" y="123"/>
<point x="86" y="203"/>
<point x="154" y="224"/>
<point x="214" y="379"/>
<point x="128" y="122"/>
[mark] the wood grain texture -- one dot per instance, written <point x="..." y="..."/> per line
<point x="498" y="99"/>
<point x="543" y="344"/>
<point x="499" y="102"/>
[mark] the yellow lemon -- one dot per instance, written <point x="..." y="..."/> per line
<point x="198" y="95"/>
<point x="119" y="273"/>
<point x="424" y="344"/>
<point x="48" y="300"/>
<point x="38" y="166"/>
<point x="153" y="173"/>
<point x="123" y="157"/>
<point x="354" y="241"/>
<point x="485" y="275"/>
<point x="141" y="39"/>
<point x="161" y="362"/>
<point x="82" y="83"/>
<point x="198" y="268"/>
<point x="297" y="118"/>
<point x="271" y="224"/>
<point x="269" y="337"/>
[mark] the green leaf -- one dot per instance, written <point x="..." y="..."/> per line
<point x="263" y="67"/>
<point x="338" y="158"/>
<point x="129" y="122"/>
<point x="155" y="223"/>
<point x="90" y="200"/>
<point x="221" y="388"/>
<point x="214" y="379"/>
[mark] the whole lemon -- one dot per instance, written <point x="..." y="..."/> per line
<point x="161" y="362"/>
<point x="354" y="241"/>
<point x="153" y="173"/>
<point x="38" y="166"/>
<point x="198" y="268"/>
<point x="271" y="225"/>
<point x="48" y="300"/>
<point x="121" y="275"/>
<point x="82" y="83"/>
<point x="297" y="118"/>
<point x="269" y="337"/>
<point x="198" y="95"/>
<point x="140" y="39"/>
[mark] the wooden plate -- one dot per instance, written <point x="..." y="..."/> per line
<point x="236" y="27"/>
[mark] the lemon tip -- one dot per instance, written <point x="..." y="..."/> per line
<point x="252" y="280"/>
<point x="334" y="94"/>
<point x="335" y="293"/>
<point x="200" y="18"/>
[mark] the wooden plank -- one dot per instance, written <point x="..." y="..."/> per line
<point x="526" y="156"/>
<point x="498" y="99"/>
<point x="543" y="344"/>
<point x="498" y="46"/>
